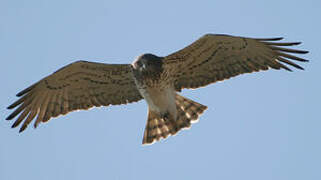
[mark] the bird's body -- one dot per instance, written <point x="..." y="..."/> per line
<point x="157" y="88"/>
<point x="160" y="100"/>
<point x="153" y="83"/>
<point x="212" y="58"/>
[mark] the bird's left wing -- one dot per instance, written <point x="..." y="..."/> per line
<point x="80" y="85"/>
<point x="217" y="57"/>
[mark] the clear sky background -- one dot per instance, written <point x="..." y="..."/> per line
<point x="262" y="126"/>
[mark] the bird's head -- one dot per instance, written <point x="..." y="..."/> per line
<point x="148" y="63"/>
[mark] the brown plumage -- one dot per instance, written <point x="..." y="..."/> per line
<point x="80" y="85"/>
<point x="215" y="58"/>
<point x="158" y="127"/>
<point x="212" y="58"/>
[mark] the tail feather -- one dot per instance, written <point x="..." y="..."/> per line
<point x="159" y="127"/>
<point x="188" y="111"/>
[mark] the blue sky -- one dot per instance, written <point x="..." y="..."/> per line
<point x="263" y="126"/>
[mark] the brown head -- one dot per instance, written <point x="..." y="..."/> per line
<point x="148" y="66"/>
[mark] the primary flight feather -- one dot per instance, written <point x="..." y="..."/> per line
<point x="212" y="58"/>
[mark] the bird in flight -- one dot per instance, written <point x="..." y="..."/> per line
<point x="212" y="58"/>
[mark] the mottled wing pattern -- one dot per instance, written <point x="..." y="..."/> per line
<point x="214" y="58"/>
<point x="80" y="85"/>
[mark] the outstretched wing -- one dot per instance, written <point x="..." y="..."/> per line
<point x="80" y="85"/>
<point x="217" y="57"/>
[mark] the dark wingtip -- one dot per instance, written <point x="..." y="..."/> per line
<point x="22" y="129"/>
<point x="301" y="51"/>
<point x="35" y="125"/>
<point x="26" y="90"/>
<point x="10" y="107"/>
<point x="277" y="39"/>
<point x="21" y="93"/>
<point x="14" y="125"/>
<point x="286" y="68"/>
<point x="290" y="70"/>
<point x="304" y="60"/>
<point x="299" y="67"/>
<point x="270" y="39"/>
<point x="9" y="117"/>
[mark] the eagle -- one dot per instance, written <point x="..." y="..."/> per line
<point x="213" y="57"/>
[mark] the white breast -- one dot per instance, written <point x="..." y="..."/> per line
<point x="160" y="100"/>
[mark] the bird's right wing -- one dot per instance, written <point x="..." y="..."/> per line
<point x="215" y="58"/>
<point x="80" y="85"/>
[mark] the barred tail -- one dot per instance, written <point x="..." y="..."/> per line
<point x="188" y="111"/>
<point x="158" y="127"/>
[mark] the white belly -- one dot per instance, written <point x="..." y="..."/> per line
<point x="160" y="100"/>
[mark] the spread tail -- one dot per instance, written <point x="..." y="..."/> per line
<point x="158" y="127"/>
